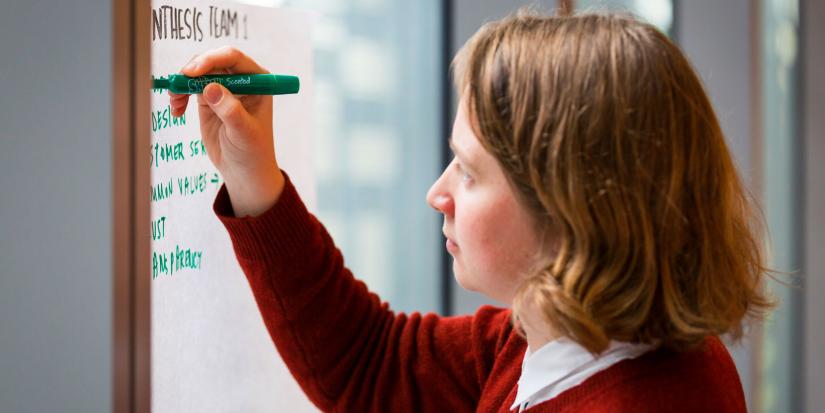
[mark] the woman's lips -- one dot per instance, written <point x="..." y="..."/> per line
<point x="452" y="246"/>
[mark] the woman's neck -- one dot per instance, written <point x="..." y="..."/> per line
<point x="537" y="330"/>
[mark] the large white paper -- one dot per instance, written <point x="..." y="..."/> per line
<point x="210" y="349"/>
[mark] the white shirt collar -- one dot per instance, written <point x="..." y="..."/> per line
<point x="563" y="364"/>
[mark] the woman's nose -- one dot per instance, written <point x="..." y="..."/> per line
<point x="439" y="198"/>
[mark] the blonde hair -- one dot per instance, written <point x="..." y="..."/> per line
<point x="606" y="134"/>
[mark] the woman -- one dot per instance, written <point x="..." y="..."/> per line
<point x="591" y="190"/>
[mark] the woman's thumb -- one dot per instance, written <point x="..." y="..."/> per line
<point x="227" y="107"/>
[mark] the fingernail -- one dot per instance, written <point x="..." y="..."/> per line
<point x="213" y="94"/>
<point x="190" y="66"/>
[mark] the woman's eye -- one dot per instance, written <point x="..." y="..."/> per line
<point x="464" y="175"/>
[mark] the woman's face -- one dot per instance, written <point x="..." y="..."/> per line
<point x="490" y="235"/>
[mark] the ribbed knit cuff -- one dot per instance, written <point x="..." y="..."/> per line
<point x="282" y="232"/>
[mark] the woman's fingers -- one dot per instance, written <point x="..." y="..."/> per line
<point x="178" y="103"/>
<point x="225" y="59"/>
<point x="229" y="109"/>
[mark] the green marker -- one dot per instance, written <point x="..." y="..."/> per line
<point x="259" y="84"/>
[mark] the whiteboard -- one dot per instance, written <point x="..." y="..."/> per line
<point x="210" y="349"/>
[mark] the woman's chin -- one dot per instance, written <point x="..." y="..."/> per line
<point x="461" y="277"/>
<point x="458" y="274"/>
<point x="469" y="283"/>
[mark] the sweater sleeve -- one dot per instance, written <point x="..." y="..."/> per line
<point x="345" y="348"/>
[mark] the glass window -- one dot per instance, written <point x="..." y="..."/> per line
<point x="780" y="364"/>
<point x="657" y="12"/>
<point x="378" y="138"/>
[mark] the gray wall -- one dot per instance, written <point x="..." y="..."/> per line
<point x="55" y="206"/>
<point x="813" y="128"/>
<point x="716" y="37"/>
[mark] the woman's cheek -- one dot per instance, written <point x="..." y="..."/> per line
<point x="484" y="235"/>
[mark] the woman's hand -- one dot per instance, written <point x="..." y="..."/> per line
<point x="236" y="131"/>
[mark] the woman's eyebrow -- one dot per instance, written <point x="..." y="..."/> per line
<point x="460" y="155"/>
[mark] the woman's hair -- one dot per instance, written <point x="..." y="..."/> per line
<point x="606" y="134"/>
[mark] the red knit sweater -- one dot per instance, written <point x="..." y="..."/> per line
<point x="350" y="353"/>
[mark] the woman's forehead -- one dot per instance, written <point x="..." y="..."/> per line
<point x="463" y="141"/>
